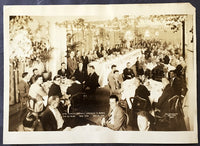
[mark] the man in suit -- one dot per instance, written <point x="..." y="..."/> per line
<point x="128" y="72"/>
<point x="63" y="71"/>
<point x="71" y="64"/>
<point x="115" y="84"/>
<point x="116" y="118"/>
<point x="91" y="83"/>
<point x="142" y="92"/>
<point x="168" y="92"/>
<point x="51" y="118"/>
<point x="23" y="89"/>
<point x="80" y="73"/>
<point x="55" y="90"/>
<point x="85" y="61"/>
<point x="111" y="74"/>
<point x="35" y="73"/>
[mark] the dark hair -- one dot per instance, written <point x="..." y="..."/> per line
<point x="114" y="97"/>
<point x="115" y="71"/>
<point x="62" y="63"/>
<point x="29" y="120"/>
<point x="38" y="76"/>
<point x="52" y="98"/>
<point x="24" y="74"/>
<point x="113" y="66"/>
<point x="35" y="69"/>
<point x="57" y="76"/>
<point x="91" y="66"/>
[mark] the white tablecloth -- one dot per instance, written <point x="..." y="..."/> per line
<point x="103" y="68"/>
<point x="129" y="88"/>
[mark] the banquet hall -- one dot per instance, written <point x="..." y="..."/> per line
<point x="130" y="73"/>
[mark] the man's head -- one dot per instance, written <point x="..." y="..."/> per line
<point x="72" y="54"/>
<point x="63" y="65"/>
<point x="143" y="121"/>
<point x="35" y="71"/>
<point x="113" y="67"/>
<point x="29" y="122"/>
<point x="113" y="101"/>
<point x="25" y="76"/>
<point x="56" y="79"/>
<point x="39" y="79"/>
<point x="91" y="69"/>
<point x="53" y="101"/>
<point x="128" y="65"/>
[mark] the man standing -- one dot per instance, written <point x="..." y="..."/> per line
<point x="71" y="64"/>
<point x="116" y="118"/>
<point x="23" y="89"/>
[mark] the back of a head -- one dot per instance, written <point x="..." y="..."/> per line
<point x="28" y="122"/>
<point x="114" y="97"/>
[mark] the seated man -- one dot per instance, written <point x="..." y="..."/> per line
<point x="168" y="92"/>
<point x="63" y="71"/>
<point x="35" y="73"/>
<point x="116" y="118"/>
<point x="91" y="83"/>
<point x="144" y="121"/>
<point x="80" y="74"/>
<point x="51" y="118"/>
<point x="55" y="90"/>
<point x="128" y="72"/>
<point x="142" y="92"/>
<point x="38" y="94"/>
<point x="115" y="84"/>
<point x="111" y="74"/>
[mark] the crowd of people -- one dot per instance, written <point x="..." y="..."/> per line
<point x="159" y="61"/>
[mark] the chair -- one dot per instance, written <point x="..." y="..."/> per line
<point x="173" y="118"/>
<point x="139" y="103"/>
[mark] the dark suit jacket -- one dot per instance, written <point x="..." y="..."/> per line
<point x="92" y="82"/>
<point x="80" y="75"/>
<point x="128" y="73"/>
<point x="143" y="92"/>
<point x="177" y="86"/>
<point x="168" y="92"/>
<point x="54" y="90"/>
<point x="119" y="119"/>
<point x="85" y="62"/>
<point x="71" y="65"/>
<point x="63" y="74"/>
<point x="48" y="120"/>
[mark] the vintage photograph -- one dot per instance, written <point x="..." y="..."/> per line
<point x="108" y="69"/>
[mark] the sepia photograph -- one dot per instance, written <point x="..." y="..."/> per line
<point x="121" y="73"/>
